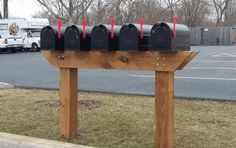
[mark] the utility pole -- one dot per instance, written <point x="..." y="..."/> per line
<point x="5" y="8"/>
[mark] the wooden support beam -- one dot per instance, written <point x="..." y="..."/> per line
<point x="68" y="102"/>
<point x="124" y="60"/>
<point x="164" y="109"/>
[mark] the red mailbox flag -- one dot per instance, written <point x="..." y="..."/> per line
<point x="174" y="28"/>
<point x="141" y="22"/>
<point x="59" y="24"/>
<point x="84" y="24"/>
<point x="112" y="27"/>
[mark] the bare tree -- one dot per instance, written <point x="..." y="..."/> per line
<point x="169" y="7"/>
<point x="124" y="11"/>
<point x="193" y="12"/>
<point x="116" y="10"/>
<point x="230" y="14"/>
<point x="151" y="10"/>
<point x="68" y="10"/>
<point x="43" y="14"/>
<point x="5" y="8"/>
<point x="190" y="12"/>
<point x="220" y="8"/>
<point x="100" y="11"/>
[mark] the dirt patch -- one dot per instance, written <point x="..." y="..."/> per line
<point x="49" y="103"/>
<point x="89" y="104"/>
<point x="83" y="104"/>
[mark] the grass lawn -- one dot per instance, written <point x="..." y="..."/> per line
<point x="108" y="120"/>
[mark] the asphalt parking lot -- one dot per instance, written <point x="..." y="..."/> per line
<point x="211" y="75"/>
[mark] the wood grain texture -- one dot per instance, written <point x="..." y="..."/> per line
<point x="187" y="60"/>
<point x="145" y="60"/>
<point x="68" y="102"/>
<point x="163" y="63"/>
<point x="164" y="109"/>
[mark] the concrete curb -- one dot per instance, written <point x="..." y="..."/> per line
<point x="5" y="85"/>
<point x="17" y="141"/>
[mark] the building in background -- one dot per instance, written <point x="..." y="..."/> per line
<point x="213" y="35"/>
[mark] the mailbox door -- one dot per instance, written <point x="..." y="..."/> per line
<point x="48" y="38"/>
<point x="99" y="38"/>
<point x="160" y="39"/>
<point x="72" y="38"/>
<point x="129" y="37"/>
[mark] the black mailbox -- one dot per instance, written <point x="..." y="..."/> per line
<point x="162" y="37"/>
<point x="101" y="37"/>
<point x="49" y="38"/>
<point x="72" y="38"/>
<point x="130" y="37"/>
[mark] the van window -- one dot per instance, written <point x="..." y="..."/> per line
<point x="29" y="35"/>
<point x="36" y="33"/>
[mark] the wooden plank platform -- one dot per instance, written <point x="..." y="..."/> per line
<point x="146" y="60"/>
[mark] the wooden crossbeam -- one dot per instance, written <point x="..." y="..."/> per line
<point x="146" y="60"/>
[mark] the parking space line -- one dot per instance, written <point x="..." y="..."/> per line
<point x="5" y="85"/>
<point x="192" y="78"/>
<point x="142" y="76"/>
<point x="224" y="55"/>
<point x="211" y="68"/>
<point x="207" y="78"/>
<point x="214" y="61"/>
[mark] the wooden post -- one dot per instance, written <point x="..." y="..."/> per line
<point x="164" y="109"/>
<point x="68" y="102"/>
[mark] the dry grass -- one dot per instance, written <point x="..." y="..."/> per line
<point x="117" y="120"/>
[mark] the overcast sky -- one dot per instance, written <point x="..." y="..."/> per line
<point x="22" y="8"/>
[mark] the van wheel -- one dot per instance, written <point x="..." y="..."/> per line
<point x="34" y="47"/>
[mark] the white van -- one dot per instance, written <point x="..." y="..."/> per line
<point x="27" y="28"/>
<point x="31" y="40"/>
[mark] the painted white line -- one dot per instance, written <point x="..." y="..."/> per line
<point x="5" y="85"/>
<point x="207" y="78"/>
<point x="224" y="55"/>
<point x="212" y="68"/>
<point x="214" y="61"/>
<point x="193" y="78"/>
<point x="142" y="76"/>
